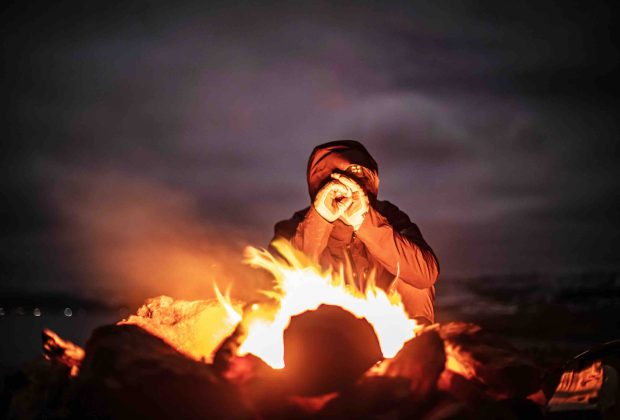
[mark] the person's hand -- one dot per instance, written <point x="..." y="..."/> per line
<point x="332" y="200"/>
<point x="356" y="211"/>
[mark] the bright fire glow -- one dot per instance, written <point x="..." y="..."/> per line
<point x="301" y="286"/>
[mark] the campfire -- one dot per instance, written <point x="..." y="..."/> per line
<point x="299" y="287"/>
<point x="316" y="344"/>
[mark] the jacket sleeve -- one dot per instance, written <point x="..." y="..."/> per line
<point x="397" y="243"/>
<point x="307" y="231"/>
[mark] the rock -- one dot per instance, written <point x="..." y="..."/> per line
<point x="421" y="361"/>
<point x="129" y="373"/>
<point x="371" y="396"/>
<point x="327" y="349"/>
<point x="501" y="370"/>
<point x="37" y="390"/>
<point x="402" y="387"/>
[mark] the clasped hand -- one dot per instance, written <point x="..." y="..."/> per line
<point x="342" y="198"/>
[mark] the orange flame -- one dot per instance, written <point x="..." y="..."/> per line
<point x="300" y="286"/>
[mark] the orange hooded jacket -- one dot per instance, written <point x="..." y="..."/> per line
<point x="386" y="242"/>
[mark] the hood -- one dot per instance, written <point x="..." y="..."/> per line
<point x="337" y="156"/>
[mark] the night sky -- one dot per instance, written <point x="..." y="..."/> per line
<point x="146" y="143"/>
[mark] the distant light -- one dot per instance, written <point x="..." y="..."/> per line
<point x="68" y="312"/>
<point x="36" y="312"/>
<point x="1" y="311"/>
<point x="254" y="307"/>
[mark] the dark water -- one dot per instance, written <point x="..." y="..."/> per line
<point x="20" y="331"/>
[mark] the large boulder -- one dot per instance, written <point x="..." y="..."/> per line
<point x="126" y="372"/>
<point x="326" y="350"/>
<point x="129" y="373"/>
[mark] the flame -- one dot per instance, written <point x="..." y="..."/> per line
<point x="300" y="286"/>
<point x="194" y="328"/>
<point x="232" y="315"/>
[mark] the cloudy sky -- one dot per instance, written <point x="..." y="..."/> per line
<point x="146" y="143"/>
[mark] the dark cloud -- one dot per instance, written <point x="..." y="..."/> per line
<point x="396" y="143"/>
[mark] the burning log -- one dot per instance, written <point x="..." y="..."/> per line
<point x="64" y="352"/>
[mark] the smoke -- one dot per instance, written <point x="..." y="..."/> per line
<point x="131" y="238"/>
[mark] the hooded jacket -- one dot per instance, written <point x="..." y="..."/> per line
<point x="387" y="243"/>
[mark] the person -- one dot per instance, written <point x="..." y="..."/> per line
<point x="347" y="226"/>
